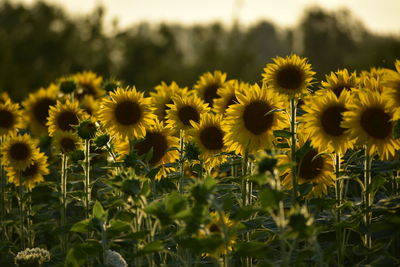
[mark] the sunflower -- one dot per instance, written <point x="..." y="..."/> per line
<point x="339" y="81"/>
<point x="208" y="134"/>
<point x="88" y="84"/>
<point x="89" y="104"/>
<point x="311" y="168"/>
<point x="63" y="116"/>
<point x="18" y="151"/>
<point x="247" y="126"/>
<point x="32" y="175"/>
<point x="208" y="84"/>
<point x="11" y="118"/>
<point x="159" y="139"/>
<point x="215" y="227"/>
<point x="66" y="141"/>
<point x="289" y="76"/>
<point x="378" y="73"/>
<point x="227" y="95"/>
<point x="163" y="96"/>
<point x="392" y="84"/>
<point x="37" y="108"/>
<point x="324" y="114"/>
<point x="126" y="114"/>
<point x="184" y="110"/>
<point x="370" y="120"/>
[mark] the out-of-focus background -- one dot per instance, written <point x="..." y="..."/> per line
<point x="144" y="42"/>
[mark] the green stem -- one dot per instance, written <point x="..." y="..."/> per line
<point x="338" y="191"/>
<point x="87" y="177"/>
<point x="293" y="148"/>
<point x="3" y="192"/>
<point x="21" y="215"/>
<point x="181" y="160"/>
<point x="367" y="195"/>
<point x="64" y="238"/>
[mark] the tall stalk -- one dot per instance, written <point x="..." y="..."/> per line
<point x="64" y="162"/>
<point x="181" y="161"/>
<point x="87" y="177"/>
<point x="3" y="192"/>
<point x="339" y="192"/>
<point x="293" y="148"/>
<point x="367" y="197"/>
<point x="21" y="215"/>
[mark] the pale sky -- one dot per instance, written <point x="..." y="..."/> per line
<point x="378" y="15"/>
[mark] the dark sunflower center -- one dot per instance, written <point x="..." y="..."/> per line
<point x="66" y="119"/>
<point x="20" y="151"/>
<point x="214" y="228"/>
<point x="41" y="109"/>
<point x="212" y="138"/>
<point x="310" y="169"/>
<point x="6" y="119"/>
<point x="157" y="141"/>
<point x="188" y="113"/>
<point x="376" y="122"/>
<point x="128" y="113"/>
<point x="88" y="89"/>
<point x="67" y="144"/>
<point x="210" y="92"/>
<point x="338" y="89"/>
<point x="290" y="77"/>
<point x="255" y="119"/>
<point x="331" y="119"/>
<point x="31" y="170"/>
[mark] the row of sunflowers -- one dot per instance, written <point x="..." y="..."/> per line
<point x="184" y="174"/>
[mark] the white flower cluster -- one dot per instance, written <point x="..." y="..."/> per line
<point x="115" y="259"/>
<point x="32" y="257"/>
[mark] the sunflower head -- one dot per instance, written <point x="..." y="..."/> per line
<point x="88" y="83"/>
<point x="249" y="125"/>
<point x="126" y="114"/>
<point x="64" y="116"/>
<point x="37" y="108"/>
<point x="370" y="120"/>
<point x="184" y="110"/>
<point x="18" y="151"/>
<point x="209" y="136"/>
<point x="67" y="85"/>
<point x="339" y="81"/>
<point x="323" y="118"/>
<point x="162" y="97"/>
<point x="66" y="141"/>
<point x="290" y="76"/>
<point x="208" y="84"/>
<point x="89" y="104"/>
<point x="312" y="167"/>
<point x="11" y="118"/>
<point x="227" y="95"/>
<point x="31" y="175"/>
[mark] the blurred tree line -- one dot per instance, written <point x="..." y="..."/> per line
<point x="40" y="43"/>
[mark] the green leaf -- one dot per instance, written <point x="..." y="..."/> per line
<point x="131" y="187"/>
<point x="99" y="212"/>
<point x="305" y="188"/>
<point x="252" y="249"/>
<point x="283" y="134"/>
<point x="303" y="150"/>
<point x="75" y="258"/>
<point x="151" y="247"/>
<point x="83" y="226"/>
<point x="396" y="129"/>
<point x="117" y="227"/>
<point x="270" y="198"/>
<point x="202" y="245"/>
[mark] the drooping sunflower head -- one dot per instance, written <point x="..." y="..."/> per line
<point x="64" y="116"/>
<point x="162" y="97"/>
<point x="290" y="76"/>
<point x="88" y="83"/>
<point x="323" y="118"/>
<point x="11" y="118"/>
<point x="370" y="121"/>
<point x="89" y="104"/>
<point x="209" y="136"/>
<point x="249" y="125"/>
<point x="184" y="110"/>
<point x="126" y="114"/>
<point x="208" y="84"/>
<point x="312" y="167"/>
<point x="18" y="151"/>
<point x="66" y="141"/>
<point x="37" y="108"/>
<point x="227" y="95"/>
<point x="392" y="87"/>
<point x="339" y="81"/>
<point x="32" y="175"/>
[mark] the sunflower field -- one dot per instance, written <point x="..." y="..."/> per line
<point x="290" y="171"/>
